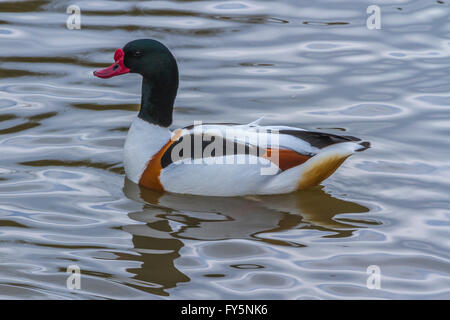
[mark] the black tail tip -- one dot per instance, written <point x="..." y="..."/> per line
<point x="364" y="146"/>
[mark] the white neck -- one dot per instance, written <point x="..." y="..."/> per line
<point x="143" y="141"/>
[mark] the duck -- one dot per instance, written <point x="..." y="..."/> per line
<point x="215" y="159"/>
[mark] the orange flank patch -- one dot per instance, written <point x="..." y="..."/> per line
<point x="150" y="176"/>
<point x="285" y="159"/>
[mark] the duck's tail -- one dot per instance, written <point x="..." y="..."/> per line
<point x="364" y="146"/>
<point x="325" y="163"/>
<point x="317" y="168"/>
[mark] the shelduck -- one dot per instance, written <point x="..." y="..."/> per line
<point x="215" y="159"/>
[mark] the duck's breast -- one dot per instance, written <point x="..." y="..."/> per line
<point x="143" y="141"/>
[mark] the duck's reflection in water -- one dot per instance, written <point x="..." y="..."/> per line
<point x="171" y="218"/>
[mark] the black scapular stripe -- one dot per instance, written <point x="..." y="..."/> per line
<point x="319" y="139"/>
<point x="228" y="148"/>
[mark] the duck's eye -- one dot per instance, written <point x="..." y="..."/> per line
<point x="137" y="53"/>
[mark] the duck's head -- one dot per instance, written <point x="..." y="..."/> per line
<point x="154" y="61"/>
<point x="148" y="57"/>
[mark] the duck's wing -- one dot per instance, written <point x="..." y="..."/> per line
<point x="321" y="140"/>
<point x="252" y="134"/>
<point x="293" y="146"/>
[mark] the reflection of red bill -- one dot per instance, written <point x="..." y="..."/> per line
<point x="117" y="68"/>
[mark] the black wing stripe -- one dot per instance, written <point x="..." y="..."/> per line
<point x="319" y="139"/>
<point x="228" y="147"/>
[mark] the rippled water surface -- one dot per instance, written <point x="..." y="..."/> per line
<point x="64" y="199"/>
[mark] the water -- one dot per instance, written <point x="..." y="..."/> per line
<point x="64" y="199"/>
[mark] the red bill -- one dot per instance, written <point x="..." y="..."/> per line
<point x="117" y="68"/>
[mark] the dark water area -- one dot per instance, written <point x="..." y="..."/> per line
<point x="64" y="198"/>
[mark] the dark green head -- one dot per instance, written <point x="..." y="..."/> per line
<point x="152" y="60"/>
